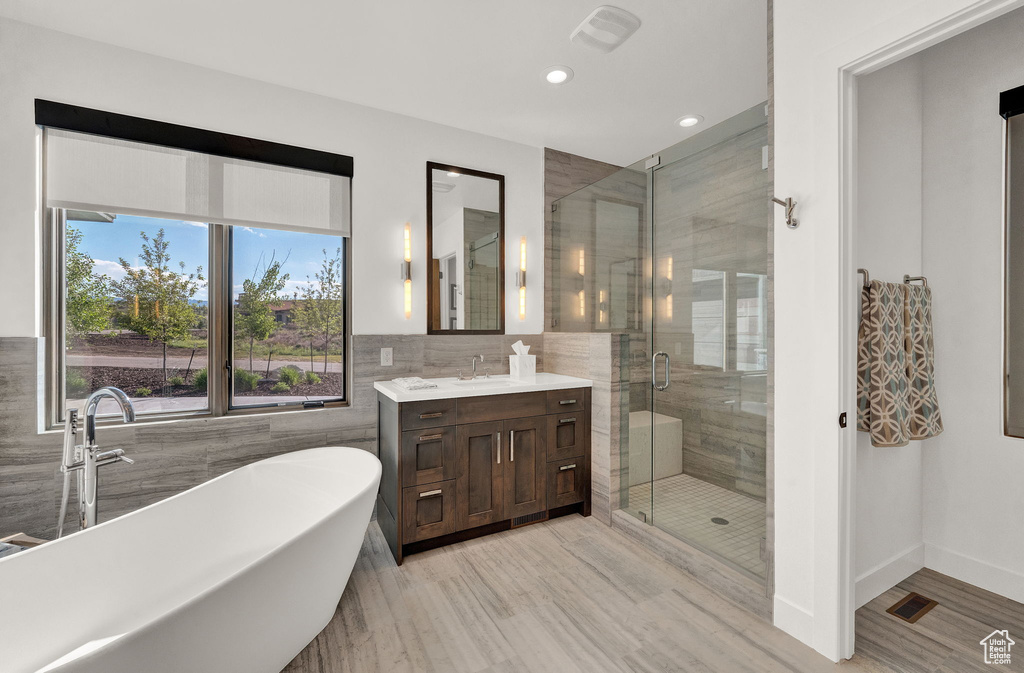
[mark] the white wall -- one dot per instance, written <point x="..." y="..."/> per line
<point x="973" y="475"/>
<point x="812" y="41"/>
<point x="390" y="153"/>
<point x="888" y="243"/>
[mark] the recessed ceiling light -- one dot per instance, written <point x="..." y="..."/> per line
<point x="689" y="120"/>
<point x="453" y="174"/>
<point x="558" y="74"/>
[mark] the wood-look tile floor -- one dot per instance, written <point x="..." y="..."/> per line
<point x="567" y="595"/>
<point x="946" y="639"/>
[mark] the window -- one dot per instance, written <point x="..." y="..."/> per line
<point x="197" y="283"/>
<point x="288" y="317"/>
<point x="717" y="295"/>
<point x="136" y="309"/>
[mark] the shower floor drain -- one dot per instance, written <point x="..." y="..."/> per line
<point x="720" y="521"/>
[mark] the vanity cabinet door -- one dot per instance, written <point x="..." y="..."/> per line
<point x="428" y="455"/>
<point x="568" y="435"/>
<point x="525" y="446"/>
<point x="479" y="474"/>
<point x="428" y="511"/>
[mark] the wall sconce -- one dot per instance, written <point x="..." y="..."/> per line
<point x="602" y="307"/>
<point x="580" y="277"/>
<point x="521" y="278"/>
<point x="407" y="271"/>
<point x="667" y="288"/>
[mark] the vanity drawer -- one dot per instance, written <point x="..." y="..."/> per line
<point x="428" y="511"/>
<point x="566" y="482"/>
<point x="568" y="435"/>
<point x="428" y="414"/>
<point x="560" y="401"/>
<point x="428" y="455"/>
<point x="500" y="407"/>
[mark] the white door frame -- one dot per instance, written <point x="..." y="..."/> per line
<point x="849" y="281"/>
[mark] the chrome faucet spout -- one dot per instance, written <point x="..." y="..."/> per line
<point x="116" y="394"/>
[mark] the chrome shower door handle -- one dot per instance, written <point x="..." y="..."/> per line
<point x="654" y="374"/>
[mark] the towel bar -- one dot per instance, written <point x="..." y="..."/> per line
<point x="908" y="279"/>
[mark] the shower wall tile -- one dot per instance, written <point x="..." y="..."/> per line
<point x="172" y="456"/>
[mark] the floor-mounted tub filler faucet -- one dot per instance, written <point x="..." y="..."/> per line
<point x="86" y="459"/>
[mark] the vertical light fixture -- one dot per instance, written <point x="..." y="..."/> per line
<point x="407" y="271"/>
<point x="601" y="307"/>
<point x="582" y="273"/>
<point x="521" y="278"/>
<point x="668" y="297"/>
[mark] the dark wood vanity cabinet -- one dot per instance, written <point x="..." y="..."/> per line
<point x="454" y="469"/>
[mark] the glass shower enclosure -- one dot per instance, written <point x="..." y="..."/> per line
<point x="676" y="257"/>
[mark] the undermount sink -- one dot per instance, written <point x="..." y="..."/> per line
<point x="484" y="383"/>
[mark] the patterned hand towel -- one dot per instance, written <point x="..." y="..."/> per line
<point x="925" y="420"/>
<point x="883" y="400"/>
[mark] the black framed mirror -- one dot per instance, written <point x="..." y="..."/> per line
<point x="465" y="251"/>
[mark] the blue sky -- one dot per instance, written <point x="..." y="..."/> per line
<point x="188" y="242"/>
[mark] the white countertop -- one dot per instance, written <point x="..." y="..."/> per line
<point x="496" y="385"/>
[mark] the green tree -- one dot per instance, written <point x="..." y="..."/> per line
<point x="88" y="305"/>
<point x="319" y="313"/>
<point x="254" y="319"/>
<point x="156" y="301"/>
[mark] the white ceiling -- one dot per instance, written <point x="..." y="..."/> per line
<point x="472" y="64"/>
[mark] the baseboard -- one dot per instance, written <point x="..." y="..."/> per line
<point x="888" y="574"/>
<point x="794" y="620"/>
<point x="1002" y="581"/>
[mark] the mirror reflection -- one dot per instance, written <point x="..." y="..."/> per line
<point x="466" y="249"/>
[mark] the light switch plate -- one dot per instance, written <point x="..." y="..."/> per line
<point x="387" y="357"/>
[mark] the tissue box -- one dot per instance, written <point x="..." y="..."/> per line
<point x="522" y="367"/>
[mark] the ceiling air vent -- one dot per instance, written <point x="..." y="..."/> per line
<point x="443" y="187"/>
<point x="605" y="29"/>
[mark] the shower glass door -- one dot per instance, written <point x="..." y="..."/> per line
<point x="675" y="260"/>
<point x="710" y="214"/>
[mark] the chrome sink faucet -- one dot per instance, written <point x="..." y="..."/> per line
<point x="85" y="459"/>
<point x="473" y="375"/>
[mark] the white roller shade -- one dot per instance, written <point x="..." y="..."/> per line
<point x="89" y="172"/>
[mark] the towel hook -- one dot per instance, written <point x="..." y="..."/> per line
<point x="789" y="204"/>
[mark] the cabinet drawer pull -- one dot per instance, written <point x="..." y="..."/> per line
<point x="568" y="402"/>
<point x="435" y="414"/>
<point x="568" y="420"/>
<point x="430" y="493"/>
<point x="427" y="438"/>
<point x="498" y="434"/>
<point x="567" y="467"/>
<point x="511" y="446"/>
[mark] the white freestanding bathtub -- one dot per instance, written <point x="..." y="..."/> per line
<point x="235" y="575"/>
